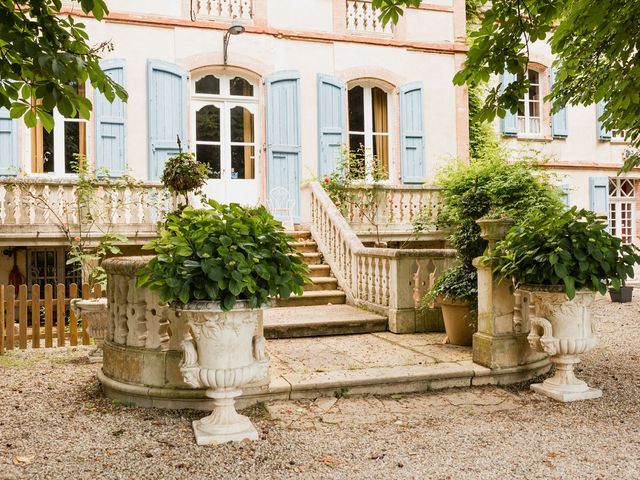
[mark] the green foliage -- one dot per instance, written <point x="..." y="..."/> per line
<point x="43" y="55"/>
<point x="482" y="138"/>
<point x="570" y="248"/>
<point x="513" y="188"/>
<point x="595" y="45"/>
<point x="183" y="174"/>
<point x="489" y="186"/>
<point x="356" y="183"/>
<point x="457" y="283"/>
<point x="223" y="253"/>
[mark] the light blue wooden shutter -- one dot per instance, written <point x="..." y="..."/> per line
<point x="8" y="144"/>
<point x="508" y="124"/>
<point x="111" y="125"/>
<point x="331" y="115"/>
<point x="414" y="168"/>
<point x="599" y="195"/>
<point x="283" y="143"/>
<point x="167" y="96"/>
<point x="559" y="122"/>
<point x="603" y="134"/>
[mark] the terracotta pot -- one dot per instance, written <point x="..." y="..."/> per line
<point x="563" y="329"/>
<point x="223" y="355"/>
<point x="458" y="321"/>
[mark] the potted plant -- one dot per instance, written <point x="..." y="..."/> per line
<point x="624" y="294"/>
<point x="456" y="291"/>
<point x="183" y="174"/>
<point x="561" y="260"/>
<point x="218" y="266"/>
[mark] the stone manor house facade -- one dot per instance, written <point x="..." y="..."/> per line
<point x="303" y="80"/>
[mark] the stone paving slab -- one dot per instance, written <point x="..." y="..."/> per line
<point x="312" y="321"/>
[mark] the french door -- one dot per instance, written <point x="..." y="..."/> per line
<point x="225" y="140"/>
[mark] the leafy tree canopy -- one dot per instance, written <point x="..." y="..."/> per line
<point x="596" y="45"/>
<point x="43" y="55"/>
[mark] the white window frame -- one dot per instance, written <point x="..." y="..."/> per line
<point x="225" y="102"/>
<point x="622" y="209"/>
<point x="368" y="132"/>
<point x="59" y="142"/>
<point x="529" y="125"/>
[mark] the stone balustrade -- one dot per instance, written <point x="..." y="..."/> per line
<point x="33" y="207"/>
<point x="224" y="9"/>
<point x="363" y="18"/>
<point x="388" y="281"/>
<point x="397" y="207"/>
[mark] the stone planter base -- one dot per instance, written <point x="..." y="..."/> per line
<point x="224" y="424"/>
<point x="564" y="396"/>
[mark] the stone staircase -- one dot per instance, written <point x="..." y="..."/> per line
<point x="323" y="289"/>
<point x="321" y="310"/>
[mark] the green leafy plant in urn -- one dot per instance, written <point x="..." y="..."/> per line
<point x="218" y="266"/>
<point x="560" y="260"/>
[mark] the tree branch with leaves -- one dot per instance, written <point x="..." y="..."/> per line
<point x="43" y="55"/>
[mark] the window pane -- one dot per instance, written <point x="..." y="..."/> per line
<point x="241" y="125"/>
<point x="74" y="144"/>
<point x="242" y="162"/>
<point x="80" y="90"/>
<point x="356" y="109"/>
<point x="533" y="77"/>
<point x="208" y="84"/>
<point x="534" y="109"/>
<point x="208" y="124"/>
<point x="356" y="157"/>
<point x="239" y="86"/>
<point x="521" y="108"/>
<point x="47" y="151"/>
<point x="379" y="109"/>
<point x="381" y="153"/>
<point x="210" y="156"/>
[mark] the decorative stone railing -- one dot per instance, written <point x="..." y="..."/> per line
<point x="397" y="207"/>
<point x="41" y="206"/>
<point x="388" y="281"/>
<point x="363" y="18"/>
<point x="224" y="9"/>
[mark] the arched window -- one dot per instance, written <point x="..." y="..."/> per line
<point x="368" y="125"/>
<point x="530" y="109"/>
<point x="224" y="127"/>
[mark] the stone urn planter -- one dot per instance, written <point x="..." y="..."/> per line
<point x="459" y="322"/>
<point x="222" y="354"/>
<point x="563" y="329"/>
<point x="94" y="311"/>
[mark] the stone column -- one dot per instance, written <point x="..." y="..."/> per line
<point x="497" y="344"/>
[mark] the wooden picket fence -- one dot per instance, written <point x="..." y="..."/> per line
<point x="28" y="321"/>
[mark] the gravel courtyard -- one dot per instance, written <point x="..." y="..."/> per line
<point x="55" y="424"/>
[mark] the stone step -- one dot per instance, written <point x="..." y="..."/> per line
<point x="319" y="270"/>
<point x="321" y="283"/>
<point x="299" y="234"/>
<point x="313" y="321"/>
<point x="319" y="297"/>
<point x="312" y="258"/>
<point x="305" y="246"/>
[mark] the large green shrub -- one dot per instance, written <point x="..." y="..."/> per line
<point x="570" y="248"/>
<point x="223" y="253"/>
<point x="515" y="188"/>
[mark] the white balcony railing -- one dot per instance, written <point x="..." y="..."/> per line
<point x="224" y="9"/>
<point x="38" y="208"/>
<point x="363" y="18"/>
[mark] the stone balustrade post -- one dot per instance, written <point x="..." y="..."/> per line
<point x="497" y="344"/>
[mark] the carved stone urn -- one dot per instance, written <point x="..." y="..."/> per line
<point x="222" y="353"/>
<point x="94" y="311"/>
<point x="562" y="328"/>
